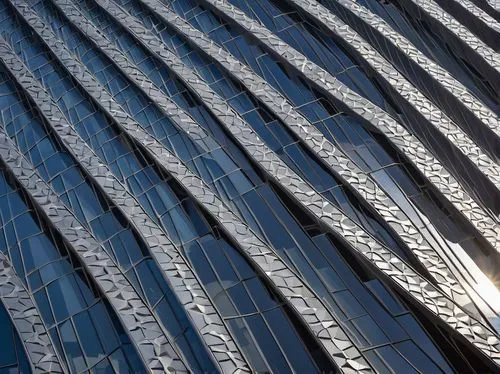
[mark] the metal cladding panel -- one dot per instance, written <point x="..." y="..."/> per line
<point x="249" y="186"/>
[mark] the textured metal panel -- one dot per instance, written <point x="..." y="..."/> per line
<point x="475" y="19"/>
<point x="495" y="4"/>
<point x="318" y="143"/>
<point x="179" y="274"/>
<point x="136" y="317"/>
<point x="479" y="13"/>
<point x="383" y="258"/>
<point x="22" y="311"/>
<point x="430" y="8"/>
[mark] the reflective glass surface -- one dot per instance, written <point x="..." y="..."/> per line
<point x="12" y="355"/>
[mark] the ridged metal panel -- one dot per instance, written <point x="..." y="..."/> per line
<point x="320" y="145"/>
<point x="454" y="305"/>
<point x="189" y="292"/>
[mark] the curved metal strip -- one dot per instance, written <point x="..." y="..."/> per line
<point x="484" y="26"/>
<point x="316" y="204"/>
<point x="332" y="156"/>
<point x="306" y="303"/>
<point x="431" y="9"/>
<point x="23" y="313"/>
<point x="146" y="334"/>
<point x="495" y="4"/>
<point x="479" y="13"/>
<point x="186" y="287"/>
<point x="330" y="84"/>
<point x="399" y="136"/>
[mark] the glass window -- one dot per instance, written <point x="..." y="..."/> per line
<point x="370" y="331"/>
<point x="71" y="347"/>
<point x="246" y="343"/>
<point x="241" y="299"/>
<point x="89" y="338"/>
<point x="267" y="342"/>
<point x="394" y="360"/>
<point x="292" y="346"/>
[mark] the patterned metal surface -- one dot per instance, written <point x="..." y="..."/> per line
<point x="395" y="42"/>
<point x="440" y="287"/>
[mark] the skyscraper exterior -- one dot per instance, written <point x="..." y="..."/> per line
<point x="236" y="186"/>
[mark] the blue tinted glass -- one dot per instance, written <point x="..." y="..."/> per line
<point x="12" y="357"/>
<point x="270" y="349"/>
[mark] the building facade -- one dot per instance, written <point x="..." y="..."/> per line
<point x="261" y="186"/>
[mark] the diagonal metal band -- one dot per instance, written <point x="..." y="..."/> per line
<point x="187" y="288"/>
<point x="23" y="313"/>
<point x="315" y="140"/>
<point x="322" y="214"/>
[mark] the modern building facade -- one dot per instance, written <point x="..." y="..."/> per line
<point x="230" y="186"/>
